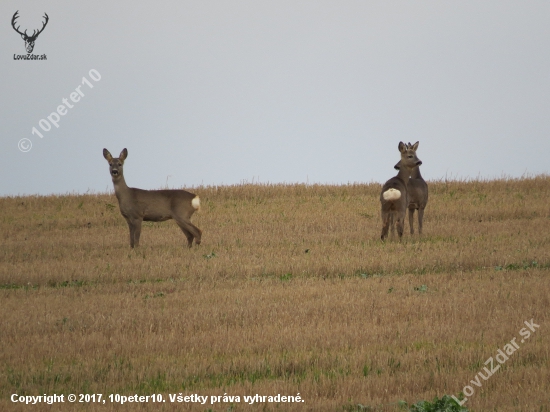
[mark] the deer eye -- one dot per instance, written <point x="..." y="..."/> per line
<point x="120" y="164"/>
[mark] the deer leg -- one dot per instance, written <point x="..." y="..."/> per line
<point x="187" y="234"/>
<point x="411" y="220"/>
<point x="420" y="219"/>
<point x="401" y="222"/>
<point x="132" y="231"/>
<point x="386" y="217"/>
<point x="137" y="231"/>
<point x="196" y="232"/>
<point x="392" y="226"/>
<point x="190" y="230"/>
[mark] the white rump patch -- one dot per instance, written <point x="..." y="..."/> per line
<point x="196" y="203"/>
<point x="391" y="194"/>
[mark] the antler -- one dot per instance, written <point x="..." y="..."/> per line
<point x="15" y="16"/>
<point x="34" y="35"/>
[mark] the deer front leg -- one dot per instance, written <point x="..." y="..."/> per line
<point x="132" y="231"/>
<point x="135" y="231"/>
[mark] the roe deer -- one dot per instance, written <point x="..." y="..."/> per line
<point x="395" y="196"/>
<point x="137" y="205"/>
<point x="418" y="194"/>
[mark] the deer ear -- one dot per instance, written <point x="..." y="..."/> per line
<point x="107" y="155"/>
<point x="123" y="155"/>
<point x="415" y="146"/>
<point x="402" y="147"/>
<point x="397" y="166"/>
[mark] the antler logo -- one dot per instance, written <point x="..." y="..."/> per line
<point x="29" y="40"/>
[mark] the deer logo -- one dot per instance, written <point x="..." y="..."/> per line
<point x="29" y="40"/>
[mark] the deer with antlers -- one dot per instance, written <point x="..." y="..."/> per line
<point x="418" y="194"/>
<point x="394" y="198"/>
<point x="29" y="40"/>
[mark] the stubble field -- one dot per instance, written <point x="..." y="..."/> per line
<point x="291" y="292"/>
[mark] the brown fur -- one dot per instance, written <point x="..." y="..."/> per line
<point x="137" y="205"/>
<point x="418" y="196"/>
<point x="395" y="210"/>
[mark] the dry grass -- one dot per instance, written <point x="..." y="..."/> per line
<point x="291" y="292"/>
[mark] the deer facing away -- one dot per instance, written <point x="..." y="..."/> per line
<point x="137" y="205"/>
<point x="394" y="198"/>
<point x="418" y="194"/>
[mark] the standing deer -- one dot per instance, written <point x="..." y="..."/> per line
<point x="418" y="194"/>
<point x="395" y="196"/>
<point x="137" y="205"/>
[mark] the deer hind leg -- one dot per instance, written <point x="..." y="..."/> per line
<point x="401" y="224"/>
<point x="411" y="220"/>
<point x="386" y="219"/>
<point x="190" y="231"/>
<point x="188" y="235"/>
<point x="420" y="219"/>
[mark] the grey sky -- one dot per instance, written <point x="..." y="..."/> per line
<point x="220" y="92"/>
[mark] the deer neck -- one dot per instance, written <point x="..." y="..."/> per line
<point x="121" y="188"/>
<point x="404" y="174"/>
<point x="415" y="173"/>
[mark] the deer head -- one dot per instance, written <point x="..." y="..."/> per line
<point x="115" y="163"/>
<point x="29" y="40"/>
<point x="408" y="156"/>
<point x="409" y="148"/>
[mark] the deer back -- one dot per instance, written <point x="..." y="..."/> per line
<point x="395" y="183"/>
<point x="157" y="205"/>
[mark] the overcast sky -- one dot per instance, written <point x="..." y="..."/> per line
<point x="221" y="92"/>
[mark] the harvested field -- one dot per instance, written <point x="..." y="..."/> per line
<point x="291" y="292"/>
